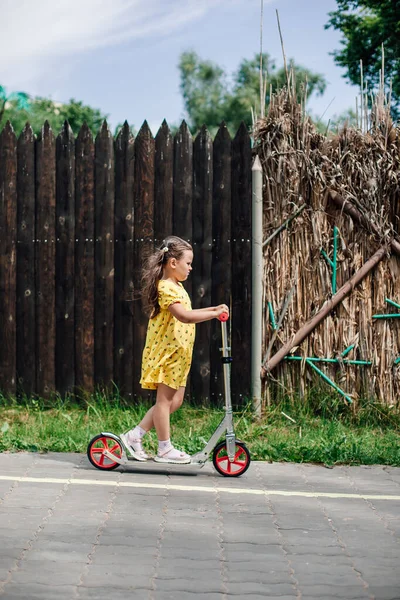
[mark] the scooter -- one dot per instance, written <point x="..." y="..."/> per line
<point x="231" y="457"/>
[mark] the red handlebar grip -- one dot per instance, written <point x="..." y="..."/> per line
<point x="223" y="317"/>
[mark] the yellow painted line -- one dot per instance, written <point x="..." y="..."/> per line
<point x="195" y="488"/>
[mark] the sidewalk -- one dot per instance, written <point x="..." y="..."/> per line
<point x="281" y="531"/>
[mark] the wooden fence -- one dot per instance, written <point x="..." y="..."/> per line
<point x="77" y="216"/>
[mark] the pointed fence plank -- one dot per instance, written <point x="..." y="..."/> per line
<point x="241" y="266"/>
<point x="8" y="234"/>
<point x="65" y="260"/>
<point x="104" y="258"/>
<point x="202" y="246"/>
<point x="144" y="236"/>
<point x="163" y="183"/>
<point x="84" y="261"/>
<point x="123" y="260"/>
<point x="45" y="262"/>
<point x="221" y="260"/>
<point x="26" y="289"/>
<point x="183" y="188"/>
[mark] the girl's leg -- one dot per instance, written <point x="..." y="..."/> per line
<point x="147" y="422"/>
<point x="168" y="400"/>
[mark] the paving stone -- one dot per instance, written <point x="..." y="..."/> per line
<point x="353" y="592"/>
<point x="203" y="585"/>
<point x="35" y="591"/>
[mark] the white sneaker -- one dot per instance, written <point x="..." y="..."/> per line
<point x="134" y="447"/>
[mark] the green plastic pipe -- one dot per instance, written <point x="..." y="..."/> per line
<point x="348" y="349"/>
<point x="271" y="315"/>
<point x="330" y="360"/>
<point x="329" y="381"/>
<point x="326" y="257"/>
<point x="392" y="302"/>
<point x="334" y="267"/>
<point x="388" y="316"/>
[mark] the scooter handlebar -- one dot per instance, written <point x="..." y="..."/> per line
<point x="223" y="316"/>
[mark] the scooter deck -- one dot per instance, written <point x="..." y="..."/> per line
<point x="151" y="465"/>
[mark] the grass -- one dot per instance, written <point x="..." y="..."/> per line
<point x="321" y="429"/>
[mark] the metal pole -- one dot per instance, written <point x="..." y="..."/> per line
<point x="256" y="287"/>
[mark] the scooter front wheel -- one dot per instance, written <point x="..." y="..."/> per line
<point x="96" y="452"/>
<point x="224" y="466"/>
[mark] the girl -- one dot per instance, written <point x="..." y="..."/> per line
<point x="167" y="354"/>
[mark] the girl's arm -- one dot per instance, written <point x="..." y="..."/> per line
<point x="198" y="315"/>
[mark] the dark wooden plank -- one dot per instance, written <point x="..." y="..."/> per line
<point x="221" y="260"/>
<point x="26" y="289"/>
<point x="182" y="223"/>
<point x="104" y="258"/>
<point x="65" y="260"/>
<point x="124" y="232"/>
<point x="163" y="183"/>
<point x="8" y="276"/>
<point x="241" y="266"/>
<point x="84" y="261"/>
<point x="144" y="236"/>
<point x="45" y="262"/>
<point x="201" y="275"/>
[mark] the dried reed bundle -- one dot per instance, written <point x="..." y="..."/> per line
<point x="300" y="166"/>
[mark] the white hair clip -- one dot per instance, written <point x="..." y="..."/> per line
<point x="165" y="249"/>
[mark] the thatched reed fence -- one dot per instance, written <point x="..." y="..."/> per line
<point x="77" y="216"/>
<point x="337" y="261"/>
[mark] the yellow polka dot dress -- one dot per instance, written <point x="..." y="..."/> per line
<point x="167" y="354"/>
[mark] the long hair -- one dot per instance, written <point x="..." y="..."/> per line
<point x="172" y="247"/>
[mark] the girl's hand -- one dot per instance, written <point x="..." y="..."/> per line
<point x="222" y="308"/>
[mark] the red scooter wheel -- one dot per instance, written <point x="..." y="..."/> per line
<point x="240" y="464"/>
<point x="97" y="448"/>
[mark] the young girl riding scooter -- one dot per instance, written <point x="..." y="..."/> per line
<point x="167" y="354"/>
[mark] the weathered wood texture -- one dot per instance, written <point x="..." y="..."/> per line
<point x="26" y="289"/>
<point x="8" y="234"/>
<point x="78" y="218"/>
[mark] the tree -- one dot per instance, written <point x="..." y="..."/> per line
<point x="366" y="25"/>
<point x="19" y="99"/>
<point x="209" y="99"/>
<point x="37" y="110"/>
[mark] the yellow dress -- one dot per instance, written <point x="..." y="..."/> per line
<point x="167" y="354"/>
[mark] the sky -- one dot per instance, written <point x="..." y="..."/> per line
<point x="121" y="56"/>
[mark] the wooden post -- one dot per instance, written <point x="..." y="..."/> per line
<point x="104" y="258"/>
<point x="241" y="265"/>
<point x="143" y="244"/>
<point x="329" y="305"/>
<point x="8" y="258"/>
<point x="221" y="259"/>
<point x="45" y="262"/>
<point x="84" y="261"/>
<point x="202" y="246"/>
<point x="65" y="260"/>
<point x="123" y="314"/>
<point x="26" y="289"/>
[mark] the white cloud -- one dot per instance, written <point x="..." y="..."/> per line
<point x="33" y="35"/>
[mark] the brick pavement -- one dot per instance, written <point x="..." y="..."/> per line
<point x="281" y="531"/>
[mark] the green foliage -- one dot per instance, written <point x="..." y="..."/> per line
<point x="321" y="429"/>
<point x="210" y="99"/>
<point x="366" y="25"/>
<point x="37" y="110"/>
